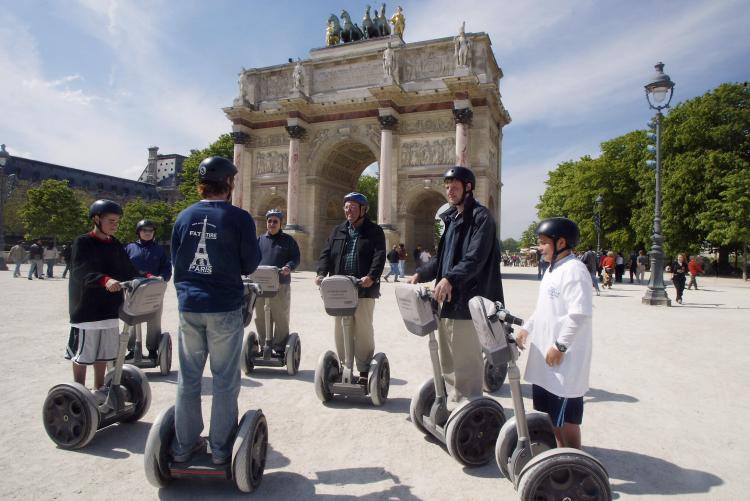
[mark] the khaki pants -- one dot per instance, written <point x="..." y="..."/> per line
<point x="364" y="335"/>
<point x="460" y="358"/>
<point x="279" y="316"/>
<point x="153" y="334"/>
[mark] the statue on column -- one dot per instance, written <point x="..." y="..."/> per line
<point x="389" y="62"/>
<point x="462" y="48"/>
<point x="298" y="76"/>
<point x="398" y="21"/>
<point x="246" y="89"/>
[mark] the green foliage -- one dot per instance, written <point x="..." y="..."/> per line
<point x="368" y="186"/>
<point x="12" y="220"/>
<point x="511" y="245"/>
<point x="222" y="147"/>
<point x="160" y="213"/>
<point x="528" y="237"/>
<point x="52" y="210"/>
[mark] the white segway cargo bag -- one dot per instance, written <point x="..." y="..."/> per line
<point x="490" y="328"/>
<point x="340" y="295"/>
<point x="268" y="279"/>
<point x="250" y="294"/>
<point x="417" y="309"/>
<point x="143" y="300"/>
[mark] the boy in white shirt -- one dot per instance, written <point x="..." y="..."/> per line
<point x="559" y="332"/>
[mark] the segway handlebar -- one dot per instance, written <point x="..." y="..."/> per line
<point x="132" y="284"/>
<point x="505" y="316"/>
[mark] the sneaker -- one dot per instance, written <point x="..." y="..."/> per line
<point x="100" y="394"/>
<point x="385" y="278"/>
<point x="200" y="446"/>
<point x="218" y="460"/>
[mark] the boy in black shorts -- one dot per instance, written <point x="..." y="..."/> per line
<point x="559" y="332"/>
<point x="98" y="265"/>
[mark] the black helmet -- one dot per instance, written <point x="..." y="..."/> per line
<point x="104" y="207"/>
<point x="216" y="169"/>
<point x="463" y="174"/>
<point x="275" y="213"/>
<point x="560" y="227"/>
<point x="144" y="223"/>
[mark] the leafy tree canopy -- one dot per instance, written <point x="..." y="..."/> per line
<point x="52" y="210"/>
<point x="160" y="213"/>
<point x="222" y="147"/>
<point x="368" y="186"/>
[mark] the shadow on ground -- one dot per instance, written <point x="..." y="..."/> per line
<point x="118" y="441"/>
<point x="639" y="474"/>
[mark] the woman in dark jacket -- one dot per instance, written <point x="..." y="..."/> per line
<point x="679" y="275"/>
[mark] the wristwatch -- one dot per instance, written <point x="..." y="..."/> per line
<point x="561" y="347"/>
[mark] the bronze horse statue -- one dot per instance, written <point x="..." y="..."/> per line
<point x="381" y="23"/>
<point x="350" y="32"/>
<point x="369" y="28"/>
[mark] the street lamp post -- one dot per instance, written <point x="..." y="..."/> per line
<point x="659" y="95"/>
<point x="598" y="223"/>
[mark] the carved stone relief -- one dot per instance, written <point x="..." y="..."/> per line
<point x="267" y="141"/>
<point x="442" y="124"/>
<point x="428" y="152"/>
<point x="360" y="74"/>
<point x="426" y="64"/>
<point x="271" y="162"/>
<point x="274" y="85"/>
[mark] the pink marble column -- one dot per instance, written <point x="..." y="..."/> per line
<point x="239" y="138"/>
<point x="385" y="191"/>
<point x="462" y="117"/>
<point x="292" y="203"/>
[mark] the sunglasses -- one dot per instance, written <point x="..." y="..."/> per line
<point x="272" y="221"/>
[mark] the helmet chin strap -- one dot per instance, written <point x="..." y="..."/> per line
<point x="97" y="223"/>
<point x="361" y="216"/>
<point x="557" y="253"/>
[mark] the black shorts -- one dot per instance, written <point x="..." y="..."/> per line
<point x="560" y="409"/>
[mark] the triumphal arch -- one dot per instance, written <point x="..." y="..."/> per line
<point x="305" y="131"/>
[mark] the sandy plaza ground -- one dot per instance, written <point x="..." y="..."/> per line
<point x="666" y="413"/>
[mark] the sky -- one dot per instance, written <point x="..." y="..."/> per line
<point x="92" y="84"/>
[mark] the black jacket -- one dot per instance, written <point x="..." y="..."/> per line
<point x="279" y="250"/>
<point x="475" y="270"/>
<point x="370" y="255"/>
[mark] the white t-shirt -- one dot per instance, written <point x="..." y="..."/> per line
<point x="562" y="314"/>
<point x="425" y="257"/>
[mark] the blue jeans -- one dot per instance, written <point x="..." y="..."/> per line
<point x="402" y="268"/>
<point x="392" y="270"/>
<point x="17" y="271"/>
<point x="219" y="334"/>
<point x="595" y="280"/>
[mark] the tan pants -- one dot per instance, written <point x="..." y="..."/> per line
<point x="460" y="358"/>
<point x="364" y="334"/>
<point x="279" y="316"/>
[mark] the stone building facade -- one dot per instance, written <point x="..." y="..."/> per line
<point x="305" y="131"/>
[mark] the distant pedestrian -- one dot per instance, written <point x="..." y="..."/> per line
<point x="695" y="269"/>
<point x="392" y="258"/>
<point x="633" y="265"/>
<point x="66" y="253"/>
<point x="36" y="256"/>
<point x="17" y="253"/>
<point x="619" y="267"/>
<point x="642" y="262"/>
<point x="590" y="260"/>
<point x="424" y="257"/>
<point x="402" y="255"/>
<point x="50" y="258"/>
<point x="416" y="255"/>
<point x="679" y="275"/>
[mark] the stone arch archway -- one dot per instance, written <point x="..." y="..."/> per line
<point x="420" y="206"/>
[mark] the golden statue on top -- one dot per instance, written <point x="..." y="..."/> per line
<point x="398" y="21"/>
<point x="373" y="27"/>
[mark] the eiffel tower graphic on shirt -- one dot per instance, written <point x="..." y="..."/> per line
<point x="201" y="263"/>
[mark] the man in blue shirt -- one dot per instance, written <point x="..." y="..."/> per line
<point x="213" y="245"/>
<point x="149" y="257"/>
<point x="280" y="250"/>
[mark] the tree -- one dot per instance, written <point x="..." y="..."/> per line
<point x="368" y="186"/>
<point x="528" y="237"/>
<point x="511" y="245"/>
<point x="52" y="210"/>
<point x="222" y="147"/>
<point x="160" y="213"/>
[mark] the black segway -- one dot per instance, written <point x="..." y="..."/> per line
<point x="72" y="413"/>
<point x="526" y="449"/>
<point x="340" y="299"/>
<point x="248" y="453"/>
<point x="495" y="372"/>
<point x="267" y="277"/>
<point x="163" y="357"/>
<point x="471" y="429"/>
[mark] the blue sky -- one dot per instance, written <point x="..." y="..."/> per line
<point x="92" y="83"/>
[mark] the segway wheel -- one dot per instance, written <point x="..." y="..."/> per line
<point x="326" y="373"/>
<point x="541" y="435"/>
<point x="156" y="454"/>
<point x="70" y="415"/>
<point x="564" y="474"/>
<point x="139" y="392"/>
<point x="472" y="431"/>
<point x="249" y="451"/>
<point x="494" y="375"/>
<point x="379" y="380"/>
<point x="165" y="354"/>
<point x="250" y="348"/>
<point x="421" y="404"/>
<point x="293" y="354"/>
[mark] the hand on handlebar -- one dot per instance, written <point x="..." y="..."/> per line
<point x="366" y="281"/>
<point x="113" y="285"/>
<point x="319" y="280"/>
<point x="521" y="339"/>
<point x="285" y="271"/>
<point x="414" y="279"/>
<point x="442" y="291"/>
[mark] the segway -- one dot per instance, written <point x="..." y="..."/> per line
<point x="163" y="358"/>
<point x="72" y="413"/>
<point x="526" y="449"/>
<point x="248" y="460"/>
<point x="267" y="277"/>
<point x="495" y="372"/>
<point x="340" y="299"/>
<point x="471" y="429"/>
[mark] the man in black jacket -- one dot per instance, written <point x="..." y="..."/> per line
<point x="467" y="264"/>
<point x="356" y="248"/>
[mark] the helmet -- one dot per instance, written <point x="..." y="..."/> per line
<point x="463" y="174"/>
<point x="560" y="227"/>
<point x="356" y="197"/>
<point x="275" y="213"/>
<point x="216" y="169"/>
<point x="104" y="207"/>
<point x="144" y="223"/>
